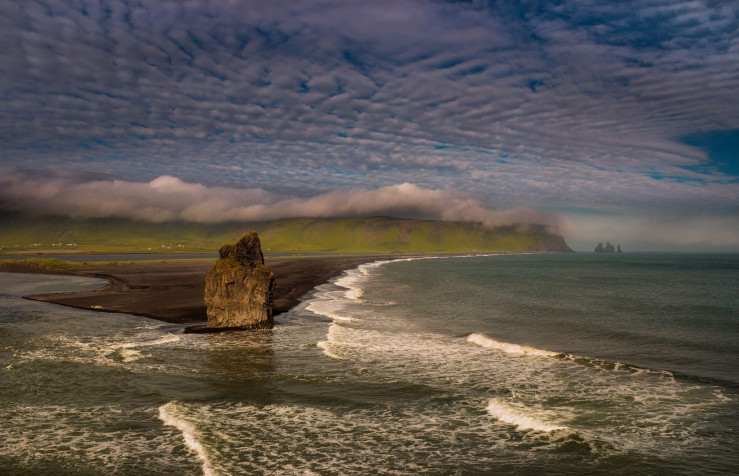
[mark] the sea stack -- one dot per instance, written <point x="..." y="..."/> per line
<point x="606" y="249"/>
<point x="240" y="288"/>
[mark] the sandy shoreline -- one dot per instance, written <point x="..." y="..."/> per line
<point x="172" y="290"/>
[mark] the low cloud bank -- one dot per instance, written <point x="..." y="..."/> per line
<point x="168" y="198"/>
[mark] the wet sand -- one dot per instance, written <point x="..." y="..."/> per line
<point x="172" y="290"/>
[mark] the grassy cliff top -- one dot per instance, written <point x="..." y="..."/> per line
<point x="299" y="235"/>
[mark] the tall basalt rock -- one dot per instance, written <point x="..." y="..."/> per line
<point x="240" y="288"/>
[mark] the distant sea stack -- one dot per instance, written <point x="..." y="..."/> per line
<point x="608" y="248"/>
<point x="240" y="288"/>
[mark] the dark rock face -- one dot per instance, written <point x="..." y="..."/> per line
<point x="547" y="240"/>
<point x="248" y="250"/>
<point x="240" y="288"/>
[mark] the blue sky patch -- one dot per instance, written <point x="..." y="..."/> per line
<point x="722" y="148"/>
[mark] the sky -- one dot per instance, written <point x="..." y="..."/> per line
<point x="608" y="120"/>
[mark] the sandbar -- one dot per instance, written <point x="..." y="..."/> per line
<point x="172" y="290"/>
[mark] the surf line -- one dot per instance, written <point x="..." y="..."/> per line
<point x="166" y="414"/>
<point x="331" y="304"/>
<point x="327" y="303"/>
<point x="481" y="340"/>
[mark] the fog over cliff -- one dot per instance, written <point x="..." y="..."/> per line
<point x="169" y="198"/>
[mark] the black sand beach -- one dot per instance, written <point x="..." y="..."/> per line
<point x="172" y="290"/>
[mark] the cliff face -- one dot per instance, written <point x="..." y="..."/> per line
<point x="545" y="240"/>
<point x="239" y="289"/>
<point x="554" y="243"/>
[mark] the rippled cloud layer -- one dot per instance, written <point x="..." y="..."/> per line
<point x="580" y="103"/>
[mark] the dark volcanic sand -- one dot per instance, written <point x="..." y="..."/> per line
<point x="172" y="291"/>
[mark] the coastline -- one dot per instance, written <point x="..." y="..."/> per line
<point x="172" y="291"/>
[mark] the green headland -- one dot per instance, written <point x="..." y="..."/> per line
<point x="20" y="233"/>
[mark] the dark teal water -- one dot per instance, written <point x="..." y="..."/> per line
<point x="554" y="364"/>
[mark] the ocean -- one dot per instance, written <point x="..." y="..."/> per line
<point x="502" y="364"/>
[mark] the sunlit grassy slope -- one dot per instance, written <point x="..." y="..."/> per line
<point x="301" y="235"/>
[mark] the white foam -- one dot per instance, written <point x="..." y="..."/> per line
<point x="326" y="347"/>
<point x="330" y="303"/>
<point x="519" y="418"/>
<point x="70" y="435"/>
<point x="329" y="344"/>
<point x="128" y="352"/>
<point x="328" y="307"/>
<point x="93" y="351"/>
<point x="351" y="278"/>
<point x="484" y="341"/>
<point x="188" y="432"/>
<point x="169" y="338"/>
<point x="349" y="281"/>
<point x="354" y="294"/>
<point x="129" y="355"/>
<point x="297" y="439"/>
<point x="384" y="345"/>
<point x="488" y="343"/>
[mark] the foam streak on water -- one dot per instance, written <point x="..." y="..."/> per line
<point x="167" y="413"/>
<point x="98" y="351"/>
<point x="129" y="354"/>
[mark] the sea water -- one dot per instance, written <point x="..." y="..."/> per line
<point x="510" y="364"/>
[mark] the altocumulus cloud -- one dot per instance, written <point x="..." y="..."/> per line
<point x="551" y="104"/>
<point x="351" y="93"/>
<point x="168" y="198"/>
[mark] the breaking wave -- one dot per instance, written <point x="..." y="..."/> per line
<point x="522" y="419"/>
<point x="167" y="413"/>
<point x="329" y="345"/>
<point x="488" y="343"/>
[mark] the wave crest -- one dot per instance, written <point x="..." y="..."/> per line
<point x="519" y="418"/>
<point x="484" y="341"/>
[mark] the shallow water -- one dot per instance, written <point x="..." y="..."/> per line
<point x="575" y="364"/>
